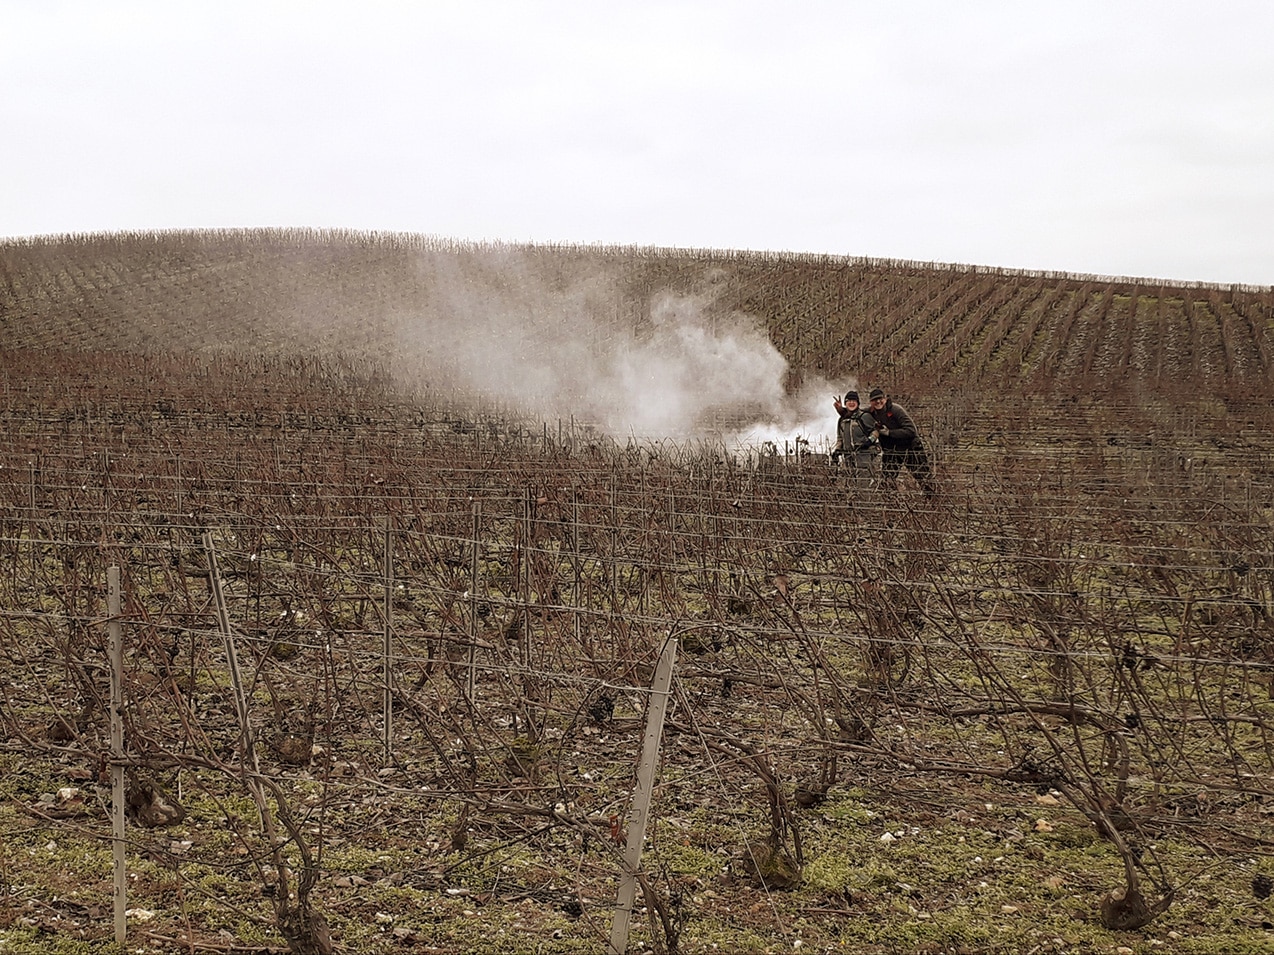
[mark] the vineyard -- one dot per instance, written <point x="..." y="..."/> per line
<point x="922" y="327"/>
<point x="380" y="642"/>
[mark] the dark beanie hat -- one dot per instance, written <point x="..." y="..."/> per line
<point x="851" y="396"/>
<point x="877" y="393"/>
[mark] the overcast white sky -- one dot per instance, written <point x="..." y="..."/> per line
<point x="1100" y="136"/>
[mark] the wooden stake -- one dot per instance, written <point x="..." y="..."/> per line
<point x="524" y="569"/>
<point x="387" y="644"/>
<point x="31" y="534"/>
<point x="659" y="692"/>
<point x="117" y="753"/>
<point x="471" y="658"/>
<point x="576" y="591"/>
<point x="247" y="742"/>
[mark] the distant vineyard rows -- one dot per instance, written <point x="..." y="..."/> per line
<point x="922" y="328"/>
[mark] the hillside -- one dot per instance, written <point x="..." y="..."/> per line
<point x="924" y="328"/>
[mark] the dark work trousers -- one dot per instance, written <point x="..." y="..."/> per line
<point x="914" y="460"/>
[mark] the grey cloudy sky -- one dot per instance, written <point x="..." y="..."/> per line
<point x="1096" y="136"/>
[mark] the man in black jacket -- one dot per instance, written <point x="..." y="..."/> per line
<point x="900" y="443"/>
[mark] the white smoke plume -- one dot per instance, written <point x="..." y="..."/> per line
<point x="663" y="365"/>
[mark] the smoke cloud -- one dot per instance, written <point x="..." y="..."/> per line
<point x="663" y="364"/>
